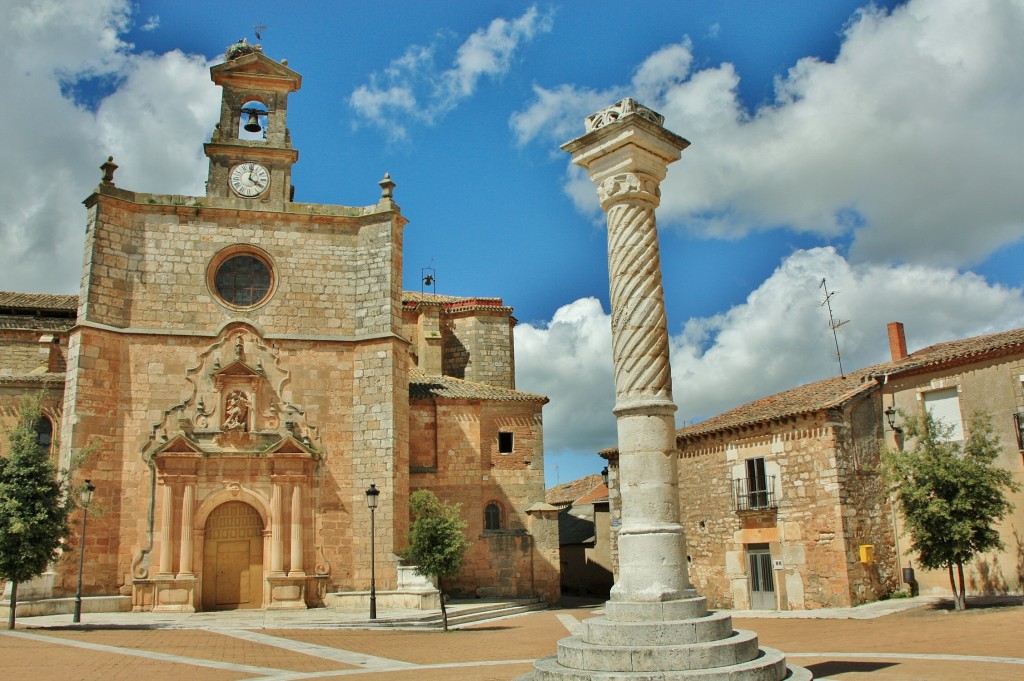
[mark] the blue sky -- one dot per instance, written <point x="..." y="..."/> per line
<point x="877" y="146"/>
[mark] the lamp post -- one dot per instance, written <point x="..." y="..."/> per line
<point x="86" y="498"/>
<point x="371" y="503"/>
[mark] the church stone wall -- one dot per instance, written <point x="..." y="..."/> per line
<point x="455" y="454"/>
<point x="477" y="347"/>
<point x="147" y="266"/>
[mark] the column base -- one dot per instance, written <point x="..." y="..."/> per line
<point x="287" y="592"/>
<point x="671" y="641"/>
<point x="168" y="593"/>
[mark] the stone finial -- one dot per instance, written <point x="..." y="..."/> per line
<point x="387" y="187"/>
<point x="108" y="169"/>
<point x="623" y="107"/>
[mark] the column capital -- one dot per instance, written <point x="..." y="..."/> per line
<point x="626" y="137"/>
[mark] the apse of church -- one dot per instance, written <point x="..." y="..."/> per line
<point x="250" y="365"/>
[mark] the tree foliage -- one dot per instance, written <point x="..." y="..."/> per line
<point x="950" y="493"/>
<point x="437" y="545"/>
<point x="34" y="504"/>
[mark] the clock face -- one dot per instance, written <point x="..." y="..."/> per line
<point x="249" y="179"/>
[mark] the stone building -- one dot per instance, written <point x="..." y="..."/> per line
<point x="583" y="530"/>
<point x="781" y="498"/>
<point x="249" y="365"/>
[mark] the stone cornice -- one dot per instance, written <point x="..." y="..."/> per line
<point x="143" y="331"/>
<point x="201" y="205"/>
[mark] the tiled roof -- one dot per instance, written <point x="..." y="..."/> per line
<point x="569" y="492"/>
<point x="52" y="380"/>
<point x="35" y="323"/>
<point x="422" y="387"/>
<point x="48" y="302"/>
<point x="411" y="299"/>
<point x="574" y="529"/>
<point x="954" y="352"/>
<point x="826" y="394"/>
<point x="438" y="299"/>
<point x="837" y="391"/>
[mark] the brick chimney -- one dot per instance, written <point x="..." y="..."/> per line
<point x="897" y="341"/>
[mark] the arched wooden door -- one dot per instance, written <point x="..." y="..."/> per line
<point x="233" y="558"/>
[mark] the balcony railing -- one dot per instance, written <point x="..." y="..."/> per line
<point x="754" y="494"/>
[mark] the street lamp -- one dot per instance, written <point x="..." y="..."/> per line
<point x="86" y="498"/>
<point x="890" y="416"/>
<point x="604" y="475"/>
<point x="371" y="503"/>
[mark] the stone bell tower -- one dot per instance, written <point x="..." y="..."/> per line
<point x="251" y="152"/>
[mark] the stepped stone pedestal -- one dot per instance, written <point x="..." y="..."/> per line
<point x="655" y="627"/>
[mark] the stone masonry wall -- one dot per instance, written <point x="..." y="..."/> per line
<point x="805" y="531"/>
<point x="867" y="514"/>
<point x="477" y="346"/>
<point x="148" y="266"/>
<point x="467" y="469"/>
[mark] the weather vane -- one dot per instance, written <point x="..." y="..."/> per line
<point x="258" y="30"/>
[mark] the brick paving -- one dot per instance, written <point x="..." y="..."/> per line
<point x="920" y="643"/>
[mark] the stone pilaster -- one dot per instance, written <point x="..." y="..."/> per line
<point x="295" y="566"/>
<point x="166" y="567"/>
<point x="655" y="626"/>
<point x="276" y="536"/>
<point x="188" y="503"/>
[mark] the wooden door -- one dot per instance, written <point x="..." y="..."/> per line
<point x="233" y="558"/>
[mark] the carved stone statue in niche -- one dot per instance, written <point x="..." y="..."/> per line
<point x="236" y="411"/>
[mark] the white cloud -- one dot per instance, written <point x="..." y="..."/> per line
<point x="411" y="88"/>
<point x="153" y="122"/>
<point x="909" y="141"/>
<point x="569" y="360"/>
<point x="152" y="23"/>
<point x="777" y="339"/>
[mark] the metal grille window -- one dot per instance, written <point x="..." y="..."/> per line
<point x="492" y="517"/>
<point x="757" y="490"/>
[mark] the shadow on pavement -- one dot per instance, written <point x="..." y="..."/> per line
<point x="823" y="670"/>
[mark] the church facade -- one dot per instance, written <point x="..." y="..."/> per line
<point x="248" y="366"/>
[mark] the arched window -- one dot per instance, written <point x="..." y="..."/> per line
<point x="44" y="431"/>
<point x="492" y="516"/>
<point x="252" y="121"/>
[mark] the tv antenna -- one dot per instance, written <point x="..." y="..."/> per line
<point x="833" y="323"/>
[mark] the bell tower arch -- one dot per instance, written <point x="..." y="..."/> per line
<point x="251" y="152"/>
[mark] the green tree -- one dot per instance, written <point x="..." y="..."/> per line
<point x="34" y="504"/>
<point x="437" y="545"/>
<point x="951" y="494"/>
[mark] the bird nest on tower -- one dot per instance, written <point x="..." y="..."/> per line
<point x="240" y="49"/>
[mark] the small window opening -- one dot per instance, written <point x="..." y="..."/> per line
<point x="253" y="121"/>
<point x="505" y="443"/>
<point x="44" y="432"/>
<point x="492" y="516"/>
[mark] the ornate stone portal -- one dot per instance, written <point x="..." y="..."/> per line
<point x="234" y="463"/>
<point x="656" y="626"/>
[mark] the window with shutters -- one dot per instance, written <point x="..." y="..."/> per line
<point x="944" y="407"/>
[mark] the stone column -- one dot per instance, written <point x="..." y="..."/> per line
<point x="627" y="163"/>
<point x="187" y="509"/>
<point x="166" y="524"/>
<point x="655" y="625"/>
<point x="276" y="538"/>
<point x="295" y="567"/>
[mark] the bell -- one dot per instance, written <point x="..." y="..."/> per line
<point x="254" y="123"/>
